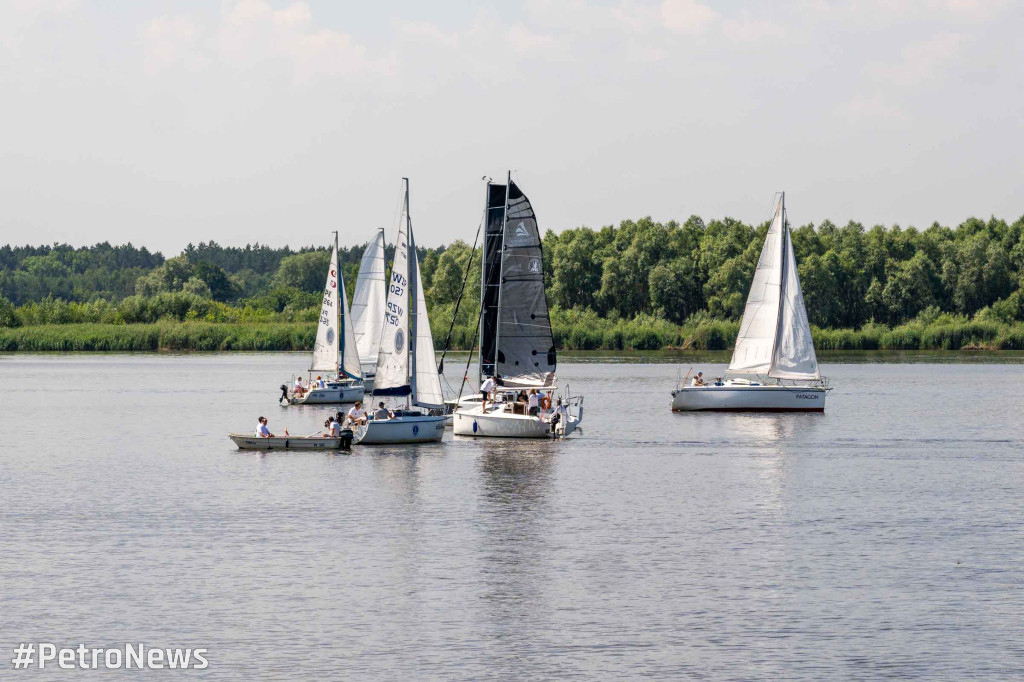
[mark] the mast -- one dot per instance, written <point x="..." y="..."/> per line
<point x="782" y="282"/>
<point x="501" y="272"/>
<point x="413" y="292"/>
<point x="483" y="285"/>
<point x="340" y="315"/>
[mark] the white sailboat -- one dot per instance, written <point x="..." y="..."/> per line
<point x="774" y="367"/>
<point x="406" y="366"/>
<point x="335" y="349"/>
<point x="368" y="306"/>
<point x="516" y="345"/>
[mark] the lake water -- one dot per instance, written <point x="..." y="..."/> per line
<point x="883" y="538"/>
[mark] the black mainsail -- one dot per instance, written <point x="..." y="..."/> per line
<point x="515" y="331"/>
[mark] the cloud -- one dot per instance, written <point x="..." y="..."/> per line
<point x="172" y="41"/>
<point x="687" y="16"/>
<point x="870" y="108"/>
<point x="921" y="61"/>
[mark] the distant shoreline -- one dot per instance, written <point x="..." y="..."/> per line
<point x="620" y="336"/>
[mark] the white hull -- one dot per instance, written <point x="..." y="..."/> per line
<point x="741" y="398"/>
<point x="332" y="395"/>
<point x="498" y="424"/>
<point x="290" y="442"/>
<point x="424" y="429"/>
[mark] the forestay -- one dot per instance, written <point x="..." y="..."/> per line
<point x="525" y="348"/>
<point x="369" y="300"/>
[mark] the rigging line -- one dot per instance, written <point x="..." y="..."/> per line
<point x="458" y="302"/>
<point x="469" y="359"/>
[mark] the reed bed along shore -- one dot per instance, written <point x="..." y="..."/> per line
<point x="594" y="333"/>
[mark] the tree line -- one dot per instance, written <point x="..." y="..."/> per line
<point x="680" y="273"/>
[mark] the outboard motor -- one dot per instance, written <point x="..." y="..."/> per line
<point x="284" y="394"/>
<point x="346" y="439"/>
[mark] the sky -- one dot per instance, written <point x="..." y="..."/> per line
<point x="164" y="123"/>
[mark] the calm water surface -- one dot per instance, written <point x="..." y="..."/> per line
<point x="881" y="539"/>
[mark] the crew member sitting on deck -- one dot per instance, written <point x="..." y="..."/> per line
<point x="489" y="384"/>
<point x="357" y="415"/>
<point x="299" y="389"/>
<point x="320" y="382"/>
<point x="261" y="429"/>
<point x="698" y="380"/>
<point x="383" y="412"/>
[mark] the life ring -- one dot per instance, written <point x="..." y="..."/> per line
<point x="545" y="403"/>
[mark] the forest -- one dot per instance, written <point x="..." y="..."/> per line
<point x="640" y="284"/>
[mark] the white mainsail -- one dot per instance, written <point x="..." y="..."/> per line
<point x="326" y="350"/>
<point x="775" y="337"/>
<point x="369" y="300"/>
<point x="393" y="356"/>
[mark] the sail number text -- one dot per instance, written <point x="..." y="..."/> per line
<point x="397" y="288"/>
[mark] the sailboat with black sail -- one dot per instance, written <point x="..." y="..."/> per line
<point x="406" y="365"/>
<point x="774" y="367"/>
<point x="517" y="350"/>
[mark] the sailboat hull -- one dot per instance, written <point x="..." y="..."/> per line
<point x="749" y="399"/>
<point x="292" y="443"/>
<point x="332" y="395"/>
<point x="404" y="429"/>
<point x="474" y="422"/>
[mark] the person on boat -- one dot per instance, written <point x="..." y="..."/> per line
<point x="357" y="415"/>
<point x="383" y="412"/>
<point x="333" y="428"/>
<point x="698" y="380"/>
<point x="486" y="388"/>
<point x="560" y="415"/>
<point x="262" y="431"/>
<point x="521" y="402"/>
<point x="320" y="382"/>
<point x="534" y="403"/>
<point x="299" y="390"/>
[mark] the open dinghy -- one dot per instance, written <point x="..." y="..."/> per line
<point x="406" y="366"/>
<point x="774" y="367"/>
<point x="343" y="442"/>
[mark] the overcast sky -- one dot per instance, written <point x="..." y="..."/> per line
<point x="163" y="123"/>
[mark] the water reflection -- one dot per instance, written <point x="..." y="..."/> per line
<point x="517" y="483"/>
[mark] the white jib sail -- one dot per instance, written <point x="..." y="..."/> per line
<point x="794" y="351"/>
<point x="393" y="357"/>
<point x="369" y="300"/>
<point x="325" y="350"/>
<point x="350" y="365"/>
<point x="428" y="384"/>
<point x="756" y="340"/>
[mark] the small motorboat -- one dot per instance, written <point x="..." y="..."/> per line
<point x="250" y="442"/>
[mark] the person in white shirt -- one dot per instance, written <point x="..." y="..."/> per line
<point x="261" y="429"/>
<point x="699" y="379"/>
<point x="534" y="403"/>
<point x="489" y="384"/>
<point x="560" y="416"/>
<point x="299" y="389"/>
<point x="357" y="415"/>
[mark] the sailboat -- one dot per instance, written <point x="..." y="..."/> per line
<point x="335" y="348"/>
<point x="774" y="367"/>
<point x="368" y="306"/>
<point x="516" y="345"/>
<point x="406" y="366"/>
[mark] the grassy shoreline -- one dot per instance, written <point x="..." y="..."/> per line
<point x="590" y="334"/>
